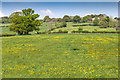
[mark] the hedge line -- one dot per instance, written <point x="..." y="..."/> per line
<point x="7" y="34"/>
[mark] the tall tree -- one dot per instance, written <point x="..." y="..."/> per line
<point x="24" y="22"/>
<point x="76" y="19"/>
<point x="66" y="18"/>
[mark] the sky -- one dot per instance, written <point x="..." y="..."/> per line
<point x="59" y="9"/>
<point x="60" y="0"/>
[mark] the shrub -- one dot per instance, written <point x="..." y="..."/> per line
<point x="42" y="32"/>
<point x="104" y="32"/>
<point x="60" y="31"/>
<point x="95" y="30"/>
<point x="75" y="31"/>
<point x="80" y="29"/>
<point x="86" y="31"/>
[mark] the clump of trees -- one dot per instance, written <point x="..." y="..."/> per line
<point x="24" y="22"/>
<point x="96" y="22"/>
<point x="46" y="19"/>
<point x="4" y="20"/>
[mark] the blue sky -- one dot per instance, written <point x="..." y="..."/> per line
<point x="59" y="9"/>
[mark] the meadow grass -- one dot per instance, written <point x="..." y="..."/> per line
<point x="88" y="28"/>
<point x="60" y="56"/>
<point x="6" y="30"/>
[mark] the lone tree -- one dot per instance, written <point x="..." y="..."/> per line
<point x="66" y="18"/>
<point x="76" y="19"/>
<point x="24" y="22"/>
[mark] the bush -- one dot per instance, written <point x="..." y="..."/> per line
<point x="7" y="34"/>
<point x="104" y="32"/>
<point x="86" y="31"/>
<point x="42" y="32"/>
<point x="80" y="29"/>
<point x="82" y="24"/>
<point x="75" y="31"/>
<point x="95" y="30"/>
<point x="60" y="31"/>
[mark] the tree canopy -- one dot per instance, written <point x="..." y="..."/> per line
<point x="76" y="19"/>
<point x="66" y="18"/>
<point x="24" y="22"/>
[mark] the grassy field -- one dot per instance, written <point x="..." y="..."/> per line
<point x="60" y="56"/>
<point x="6" y="30"/>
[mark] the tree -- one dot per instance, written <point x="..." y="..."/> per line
<point x="60" y="20"/>
<point x="115" y="18"/>
<point x="66" y="18"/>
<point x="76" y="19"/>
<point x="85" y="19"/>
<point x="24" y="22"/>
<point x="96" y="22"/>
<point x="46" y="19"/>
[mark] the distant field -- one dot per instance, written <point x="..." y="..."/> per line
<point x="60" y="56"/>
<point x="88" y="28"/>
<point x="47" y="25"/>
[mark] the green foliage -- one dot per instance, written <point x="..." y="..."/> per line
<point x="66" y="18"/>
<point x="95" y="30"/>
<point x="46" y="19"/>
<point x="82" y="24"/>
<point x="60" y="20"/>
<point x="107" y="19"/>
<point x="96" y="22"/>
<point x="85" y="31"/>
<point x="104" y="32"/>
<point x="76" y="19"/>
<point x="80" y="29"/>
<point x="84" y="19"/>
<point x="4" y="20"/>
<point x="24" y="22"/>
<point x="61" y="31"/>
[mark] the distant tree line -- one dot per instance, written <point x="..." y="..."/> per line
<point x="26" y="21"/>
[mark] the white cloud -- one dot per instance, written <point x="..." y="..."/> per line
<point x="18" y="11"/>
<point x="47" y="11"/>
<point x="1" y="14"/>
<point x="87" y="14"/>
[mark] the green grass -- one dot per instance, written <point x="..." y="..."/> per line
<point x="6" y="30"/>
<point x="60" y="56"/>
